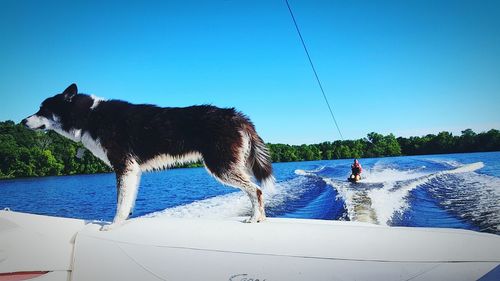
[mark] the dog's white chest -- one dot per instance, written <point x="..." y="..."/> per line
<point x="95" y="147"/>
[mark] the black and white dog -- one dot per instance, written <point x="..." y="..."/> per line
<point x="134" y="138"/>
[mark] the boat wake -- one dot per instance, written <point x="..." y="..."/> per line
<point x="470" y="196"/>
<point x="383" y="192"/>
<point x="429" y="194"/>
<point x="298" y="197"/>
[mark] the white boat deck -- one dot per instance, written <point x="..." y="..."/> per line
<point x="278" y="249"/>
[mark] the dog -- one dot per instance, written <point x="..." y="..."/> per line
<point x="134" y="138"/>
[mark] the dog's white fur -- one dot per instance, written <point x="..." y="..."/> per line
<point x="128" y="186"/>
<point x="164" y="161"/>
<point x="34" y="122"/>
<point x="95" y="147"/>
<point x="96" y="102"/>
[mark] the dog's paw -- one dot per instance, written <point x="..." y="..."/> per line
<point x="109" y="227"/>
<point x="251" y="220"/>
<point x="254" y="219"/>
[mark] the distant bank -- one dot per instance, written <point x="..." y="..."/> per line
<point x="26" y="153"/>
<point x="377" y="145"/>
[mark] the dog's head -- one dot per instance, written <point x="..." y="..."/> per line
<point x="52" y="111"/>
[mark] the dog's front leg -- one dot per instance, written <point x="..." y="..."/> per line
<point x="127" y="186"/>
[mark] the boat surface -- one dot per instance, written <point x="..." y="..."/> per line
<point x="278" y="249"/>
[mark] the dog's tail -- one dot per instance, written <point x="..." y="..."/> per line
<point x="259" y="160"/>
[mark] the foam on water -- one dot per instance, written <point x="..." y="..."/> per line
<point x="471" y="196"/>
<point x="235" y="204"/>
<point x="382" y="175"/>
<point x="378" y="203"/>
<point x="374" y="205"/>
<point x="357" y="204"/>
<point x="228" y="205"/>
<point x="300" y="172"/>
<point x="391" y="198"/>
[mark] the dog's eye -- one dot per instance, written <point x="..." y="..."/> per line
<point x="45" y="112"/>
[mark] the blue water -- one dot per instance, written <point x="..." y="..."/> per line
<point x="418" y="191"/>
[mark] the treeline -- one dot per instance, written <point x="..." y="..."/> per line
<point x="445" y="142"/>
<point x="377" y="145"/>
<point x="26" y="153"/>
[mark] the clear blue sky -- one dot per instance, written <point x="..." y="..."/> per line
<point x="406" y="67"/>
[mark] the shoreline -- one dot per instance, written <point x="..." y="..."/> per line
<point x="201" y="166"/>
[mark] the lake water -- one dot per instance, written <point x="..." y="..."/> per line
<point x="454" y="191"/>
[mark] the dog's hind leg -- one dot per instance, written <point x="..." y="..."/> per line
<point x="255" y="195"/>
<point x="241" y="180"/>
<point x="127" y="187"/>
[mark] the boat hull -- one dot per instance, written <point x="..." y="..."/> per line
<point x="278" y="249"/>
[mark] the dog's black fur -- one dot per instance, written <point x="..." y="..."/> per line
<point x="139" y="133"/>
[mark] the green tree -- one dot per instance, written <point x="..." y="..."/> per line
<point x="391" y="146"/>
<point x="467" y="140"/>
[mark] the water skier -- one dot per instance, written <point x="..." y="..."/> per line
<point x="356" y="170"/>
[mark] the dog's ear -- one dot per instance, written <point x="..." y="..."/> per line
<point x="70" y="92"/>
